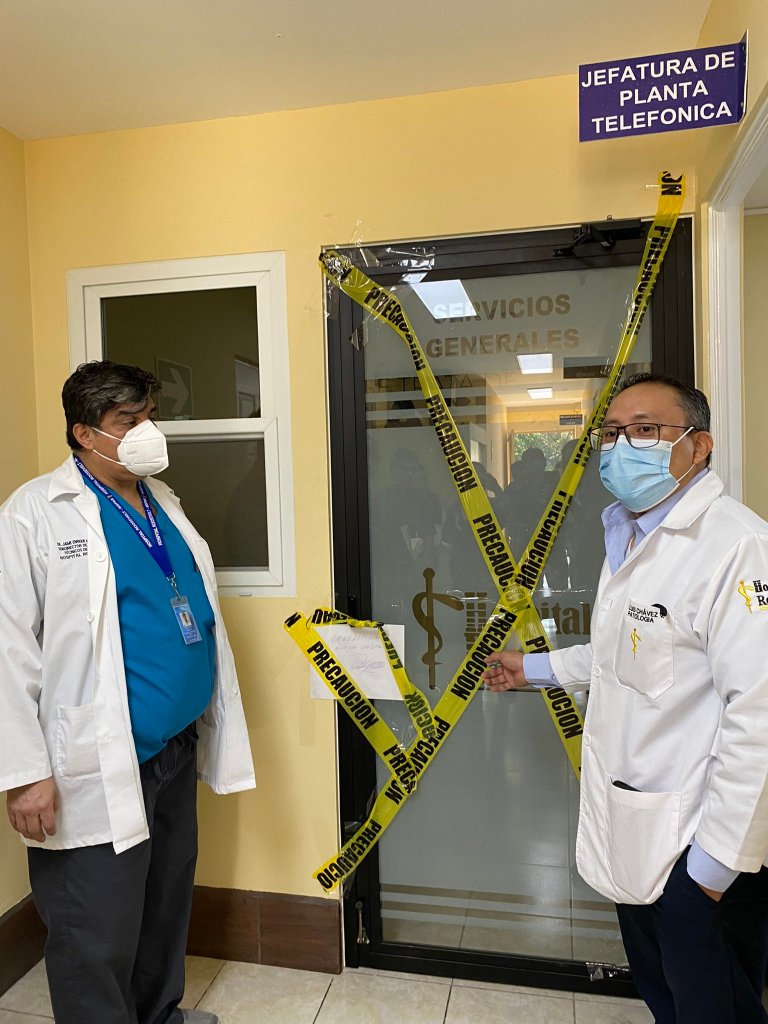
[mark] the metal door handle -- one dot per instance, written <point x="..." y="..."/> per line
<point x="362" y="937"/>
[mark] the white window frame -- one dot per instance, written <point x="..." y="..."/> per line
<point x="265" y="271"/>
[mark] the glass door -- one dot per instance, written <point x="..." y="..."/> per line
<point x="477" y="874"/>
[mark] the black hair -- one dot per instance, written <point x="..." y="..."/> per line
<point x="96" y="387"/>
<point x="693" y="402"/>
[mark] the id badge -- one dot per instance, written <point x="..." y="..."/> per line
<point x="186" y="620"/>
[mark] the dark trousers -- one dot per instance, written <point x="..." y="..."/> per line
<point x="117" y="923"/>
<point x="697" y="961"/>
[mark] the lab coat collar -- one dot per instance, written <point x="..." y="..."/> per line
<point x="694" y="502"/>
<point x="655" y="516"/>
<point x="65" y="481"/>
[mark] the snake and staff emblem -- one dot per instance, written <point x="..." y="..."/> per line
<point x="635" y="637"/>
<point x="745" y="590"/>
<point x="423" y="606"/>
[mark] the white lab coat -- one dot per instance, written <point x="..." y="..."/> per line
<point x="63" y="697"/>
<point x="678" y="707"/>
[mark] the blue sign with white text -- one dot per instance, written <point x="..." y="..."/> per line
<point x="668" y="92"/>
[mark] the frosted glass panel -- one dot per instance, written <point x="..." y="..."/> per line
<point x="482" y="856"/>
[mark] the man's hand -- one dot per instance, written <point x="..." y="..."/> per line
<point x="32" y="809"/>
<point x="712" y="893"/>
<point x="505" y="671"/>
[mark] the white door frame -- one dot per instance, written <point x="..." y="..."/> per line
<point x="724" y="203"/>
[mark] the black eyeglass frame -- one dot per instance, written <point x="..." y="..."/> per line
<point x="596" y="435"/>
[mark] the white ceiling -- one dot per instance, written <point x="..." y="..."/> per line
<point x="75" y="66"/>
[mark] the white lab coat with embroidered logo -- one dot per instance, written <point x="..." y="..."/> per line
<point x="678" y="706"/>
<point x="63" y="698"/>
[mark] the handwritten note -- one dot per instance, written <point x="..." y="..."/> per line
<point x="362" y="653"/>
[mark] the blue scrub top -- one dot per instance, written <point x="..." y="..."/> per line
<point x="170" y="683"/>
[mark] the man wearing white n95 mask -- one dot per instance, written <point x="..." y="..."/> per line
<point x="673" y="822"/>
<point x="117" y="691"/>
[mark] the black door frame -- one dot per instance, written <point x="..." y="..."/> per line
<point x="672" y="352"/>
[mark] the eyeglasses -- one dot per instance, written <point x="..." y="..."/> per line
<point x="639" y="435"/>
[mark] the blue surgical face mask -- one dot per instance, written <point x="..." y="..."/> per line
<point x="640" y="477"/>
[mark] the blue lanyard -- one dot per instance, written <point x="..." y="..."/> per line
<point x="154" y="544"/>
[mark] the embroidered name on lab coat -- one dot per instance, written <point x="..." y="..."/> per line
<point x="75" y="548"/>
<point x="640" y="613"/>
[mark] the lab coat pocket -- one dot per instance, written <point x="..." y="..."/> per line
<point x="77" y="754"/>
<point x="642" y="840"/>
<point x="645" y="648"/>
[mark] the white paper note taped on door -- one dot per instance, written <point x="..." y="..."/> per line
<point x="362" y="653"/>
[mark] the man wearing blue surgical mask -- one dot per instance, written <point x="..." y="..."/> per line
<point x="673" y="823"/>
<point x="644" y="462"/>
<point x="118" y="690"/>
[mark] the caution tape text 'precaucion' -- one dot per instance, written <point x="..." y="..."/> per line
<point x="515" y="612"/>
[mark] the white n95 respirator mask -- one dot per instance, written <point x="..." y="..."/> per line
<point x="143" y="450"/>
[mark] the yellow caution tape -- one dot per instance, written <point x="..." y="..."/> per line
<point x="671" y="196"/>
<point x="340" y="682"/>
<point x="514" y="583"/>
<point x="415" y="702"/>
<point x="477" y="508"/>
<point x="494" y="636"/>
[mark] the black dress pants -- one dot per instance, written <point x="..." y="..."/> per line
<point x="117" y="923"/>
<point x="698" y="961"/>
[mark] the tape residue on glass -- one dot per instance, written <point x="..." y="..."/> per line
<point x="515" y="611"/>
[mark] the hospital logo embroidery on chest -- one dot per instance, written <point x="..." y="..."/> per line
<point x="76" y="548"/>
<point x="759" y="589"/>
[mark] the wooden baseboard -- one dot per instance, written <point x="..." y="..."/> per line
<point x="266" y="928"/>
<point x="229" y="924"/>
<point x="22" y="939"/>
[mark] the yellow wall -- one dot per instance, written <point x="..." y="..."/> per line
<point x="471" y="161"/>
<point x="475" y="160"/>
<point x="756" y="360"/>
<point x="18" y="427"/>
<point x="726" y="22"/>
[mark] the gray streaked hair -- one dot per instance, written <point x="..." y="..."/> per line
<point x="96" y="387"/>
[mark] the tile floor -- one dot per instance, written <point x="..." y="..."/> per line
<point x="252" y="994"/>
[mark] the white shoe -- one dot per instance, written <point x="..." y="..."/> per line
<point x="200" y="1017"/>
